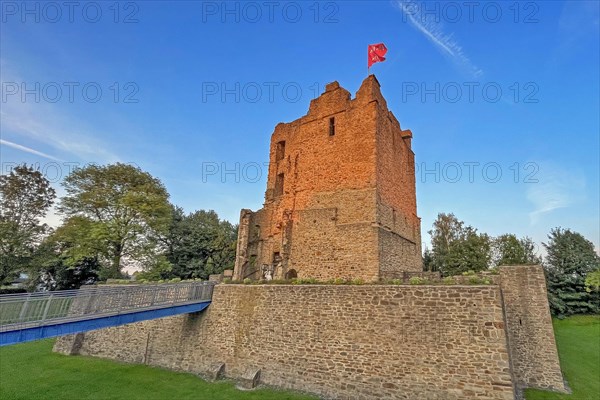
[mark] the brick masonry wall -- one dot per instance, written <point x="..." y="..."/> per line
<point x="342" y="342"/>
<point x="533" y="347"/>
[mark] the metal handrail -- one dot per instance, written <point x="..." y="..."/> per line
<point x="24" y="310"/>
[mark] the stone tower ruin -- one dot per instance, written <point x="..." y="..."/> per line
<point x="340" y="199"/>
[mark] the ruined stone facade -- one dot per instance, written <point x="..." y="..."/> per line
<point x="450" y="342"/>
<point x="340" y="199"/>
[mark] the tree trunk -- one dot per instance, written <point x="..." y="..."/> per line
<point x="115" y="268"/>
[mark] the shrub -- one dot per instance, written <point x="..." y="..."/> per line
<point x="358" y="281"/>
<point x="247" y="281"/>
<point x="416" y="280"/>
<point x="396" y="282"/>
<point x="475" y="280"/>
<point x="304" y="281"/>
<point x="12" y="290"/>
<point x="468" y="273"/>
<point x="448" y="281"/>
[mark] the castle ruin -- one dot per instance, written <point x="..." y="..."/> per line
<point x="340" y="203"/>
<point x="340" y="199"/>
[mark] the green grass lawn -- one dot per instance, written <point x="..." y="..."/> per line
<point x="578" y="341"/>
<point x="31" y="371"/>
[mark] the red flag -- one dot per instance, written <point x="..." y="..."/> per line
<point x="376" y="53"/>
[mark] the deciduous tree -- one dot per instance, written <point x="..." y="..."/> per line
<point x="201" y="244"/>
<point x="198" y="244"/>
<point x="509" y="250"/>
<point x="26" y="196"/>
<point x="115" y="212"/>
<point x="457" y="248"/>
<point x="470" y="252"/>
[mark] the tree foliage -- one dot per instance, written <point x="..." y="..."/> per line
<point x="509" y="250"/>
<point x="458" y="248"/>
<point x="198" y="244"/>
<point x="470" y="252"/>
<point x="428" y="260"/>
<point x="592" y="281"/>
<point x="52" y="269"/>
<point x="114" y="212"/>
<point x="26" y="196"/>
<point x="570" y="258"/>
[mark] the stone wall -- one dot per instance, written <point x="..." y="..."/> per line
<point x="533" y="348"/>
<point x="343" y="342"/>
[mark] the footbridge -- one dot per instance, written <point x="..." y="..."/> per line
<point x="32" y="316"/>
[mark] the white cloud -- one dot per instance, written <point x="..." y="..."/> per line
<point x="434" y="32"/>
<point x="557" y="188"/>
<point x="50" y="124"/>
<point x="28" y="150"/>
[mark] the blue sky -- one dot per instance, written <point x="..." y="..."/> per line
<point x="502" y="97"/>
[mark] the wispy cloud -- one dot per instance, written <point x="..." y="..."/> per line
<point x="434" y="32"/>
<point x="557" y="188"/>
<point x="51" y="124"/>
<point x="28" y="150"/>
<point x="47" y="127"/>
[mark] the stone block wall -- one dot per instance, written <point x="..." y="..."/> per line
<point x="529" y="325"/>
<point x="340" y="342"/>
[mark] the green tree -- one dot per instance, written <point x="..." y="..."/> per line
<point x="509" y="250"/>
<point x="458" y="248"/>
<point x="570" y="258"/>
<point x="470" y="252"/>
<point x="26" y="196"/>
<point x="52" y="270"/>
<point x="428" y="264"/>
<point x="115" y="212"/>
<point x="198" y="244"/>
<point x="592" y="281"/>
<point x="446" y="229"/>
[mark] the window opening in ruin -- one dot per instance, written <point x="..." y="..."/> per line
<point x="291" y="274"/>
<point x="279" y="185"/>
<point x="331" y="126"/>
<point x="280" y="151"/>
<point x="256" y="231"/>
